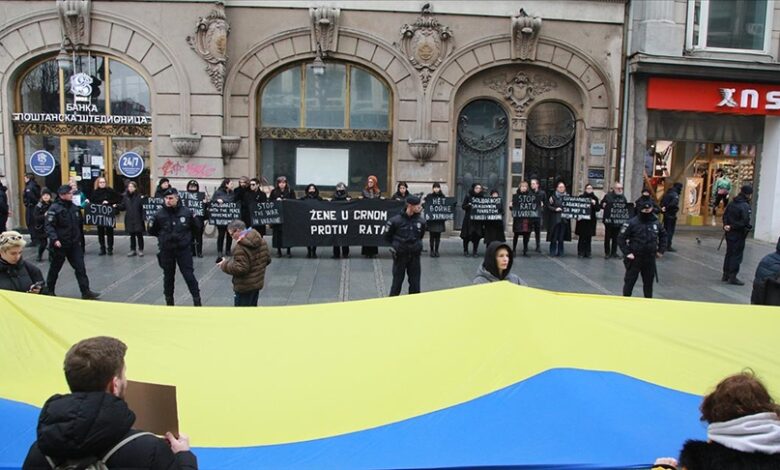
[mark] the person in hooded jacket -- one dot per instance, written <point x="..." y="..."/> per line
<point x="768" y="268"/>
<point x="736" y="224"/>
<point x="163" y="185"/>
<point x="135" y="219"/>
<point x="312" y="194"/>
<point x="253" y="195"/>
<point x="646" y="196"/>
<point x="642" y="239"/>
<point x="435" y="227"/>
<point x="341" y="195"/>
<point x="104" y="194"/>
<point x="30" y="197"/>
<point x="193" y="187"/>
<point x="670" y="206"/>
<point x="743" y="429"/>
<point x="16" y="274"/>
<point x="5" y="209"/>
<point x="94" y="418"/>
<point x="497" y="265"/>
<point x="39" y="221"/>
<point x="586" y="229"/>
<point x="224" y="194"/>
<point x="558" y="227"/>
<point x="470" y="231"/>
<point x="247" y="265"/>
<point x="280" y="192"/>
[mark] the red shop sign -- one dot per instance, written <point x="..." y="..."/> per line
<point x="707" y="96"/>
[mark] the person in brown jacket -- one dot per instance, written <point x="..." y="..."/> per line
<point x="247" y="266"/>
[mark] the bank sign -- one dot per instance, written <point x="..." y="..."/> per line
<point x="674" y="94"/>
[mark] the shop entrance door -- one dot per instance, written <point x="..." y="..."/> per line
<point x="86" y="160"/>
<point x="550" y="145"/>
<point x="481" y="151"/>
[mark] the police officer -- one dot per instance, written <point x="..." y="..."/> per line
<point x="736" y="223"/>
<point x="174" y="226"/>
<point x="642" y="239"/>
<point x="63" y="228"/>
<point x="405" y="231"/>
<point x="670" y="205"/>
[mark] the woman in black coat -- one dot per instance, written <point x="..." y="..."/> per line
<point x="341" y="195"/>
<point x="435" y="227"/>
<point x="401" y="192"/>
<point x="223" y="194"/>
<point x="17" y="274"/>
<point x="470" y="231"/>
<point x="280" y="192"/>
<point x="586" y="229"/>
<point x="105" y="195"/>
<point x="558" y="228"/>
<point x="494" y="229"/>
<point x="312" y="194"/>
<point x="521" y="226"/>
<point x="133" y="207"/>
<point x="39" y="222"/>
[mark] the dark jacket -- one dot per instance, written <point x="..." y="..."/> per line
<point x="315" y="196"/>
<point x="224" y="195"/>
<point x="405" y="233"/>
<point x="39" y="219"/>
<point x="248" y="200"/>
<point x="341" y="196"/>
<point x="470" y="230"/>
<point x="4" y="209"/>
<point x="638" y="204"/>
<point x="132" y="205"/>
<point x="523" y="224"/>
<point x="174" y="228"/>
<point x="434" y="226"/>
<point x="89" y="424"/>
<point x="105" y="194"/>
<point x="642" y="236"/>
<point x="63" y="223"/>
<point x="670" y="203"/>
<point x="737" y="215"/>
<point x="488" y="270"/>
<point x="700" y="455"/>
<point x="609" y="199"/>
<point x="247" y="266"/>
<point x="399" y="197"/>
<point x="159" y="191"/>
<point x="555" y="217"/>
<point x="286" y="194"/>
<point x="768" y="268"/>
<point x="18" y="277"/>
<point x="32" y="193"/>
<point x="588" y="227"/>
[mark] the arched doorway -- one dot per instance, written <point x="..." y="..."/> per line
<point x="550" y="145"/>
<point x="481" y="154"/>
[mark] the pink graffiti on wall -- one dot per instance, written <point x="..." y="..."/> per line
<point x="188" y="169"/>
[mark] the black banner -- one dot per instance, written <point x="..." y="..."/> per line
<point x="325" y="223"/>
<point x="525" y="206"/>
<point x="267" y="213"/>
<point x="193" y="202"/>
<point x="223" y="214"/>
<point x="439" y="208"/>
<point x="619" y="213"/>
<point x="486" y="208"/>
<point x="151" y="205"/>
<point x="576" y="207"/>
<point x="100" y="215"/>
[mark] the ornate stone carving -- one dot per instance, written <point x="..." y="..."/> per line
<point x="210" y="43"/>
<point x="520" y="90"/>
<point x="292" y="133"/>
<point x="50" y="128"/>
<point x="324" y="28"/>
<point x="525" y="35"/>
<point x="423" y="150"/>
<point x="229" y="147"/>
<point x="186" y="145"/>
<point x="425" y="44"/>
<point x="75" y="22"/>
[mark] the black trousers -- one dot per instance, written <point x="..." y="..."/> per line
<point x="610" y="239"/>
<point x="434" y="241"/>
<point x="197" y="240"/>
<point x="168" y="259"/>
<point x="536" y="226"/>
<point x="29" y="219"/>
<point x="641" y="264"/>
<point x="139" y="238"/>
<point x="735" y="248"/>
<point x="223" y="240"/>
<point x="670" y="224"/>
<point x="106" y="234"/>
<point x="246" y="299"/>
<point x="43" y="243"/>
<point x="340" y="251"/>
<point x="718" y="198"/>
<point x="408" y="263"/>
<point x="526" y="237"/>
<point x="75" y="256"/>
<point x="584" y="244"/>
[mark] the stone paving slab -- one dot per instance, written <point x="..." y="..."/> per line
<point x="692" y="273"/>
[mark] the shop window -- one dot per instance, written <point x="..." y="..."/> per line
<point x="95" y="67"/>
<point x="326" y="97"/>
<point x="129" y="91"/>
<point x="729" y="25"/>
<point x="281" y="102"/>
<point x="39" y="90"/>
<point x="368" y="106"/>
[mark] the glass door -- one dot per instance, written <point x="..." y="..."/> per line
<point x="86" y="160"/>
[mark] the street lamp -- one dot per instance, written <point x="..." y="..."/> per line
<point x="64" y="60"/>
<point x="318" y="65"/>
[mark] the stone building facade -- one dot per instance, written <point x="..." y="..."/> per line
<point x="449" y="92"/>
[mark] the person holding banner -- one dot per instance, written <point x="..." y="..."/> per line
<point x="616" y="213"/>
<point x="280" y="192"/>
<point x="163" y="185"/>
<point x="133" y="207"/>
<point x="371" y="191"/>
<point x="642" y="239"/>
<point x="522" y="225"/>
<point x="470" y="231"/>
<point x="405" y="232"/>
<point x="341" y="194"/>
<point x="105" y="195"/>
<point x="435" y="227"/>
<point x="193" y="187"/>
<point x="536" y="222"/>
<point x="558" y="228"/>
<point x="253" y="195"/>
<point x="586" y="229"/>
<point x="312" y="194"/>
<point x="222" y="195"/>
<point x="401" y="191"/>
<point x="494" y="229"/>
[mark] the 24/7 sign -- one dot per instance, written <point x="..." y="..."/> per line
<point x="131" y="164"/>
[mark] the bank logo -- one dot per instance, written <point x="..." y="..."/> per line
<point x="728" y="97"/>
<point x="81" y="87"/>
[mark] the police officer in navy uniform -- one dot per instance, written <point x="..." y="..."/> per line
<point x="405" y="232"/>
<point x="736" y="223"/>
<point x="63" y="228"/>
<point x="642" y="239"/>
<point x="174" y="226"/>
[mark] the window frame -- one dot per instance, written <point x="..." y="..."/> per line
<point x="704" y="16"/>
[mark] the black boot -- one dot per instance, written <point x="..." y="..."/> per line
<point x="102" y="251"/>
<point x="196" y="302"/>
<point x="168" y="300"/>
<point x="89" y="295"/>
<point x="734" y="281"/>
<point x="110" y="251"/>
<point x="725" y="277"/>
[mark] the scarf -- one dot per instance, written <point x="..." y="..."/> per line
<point x="754" y="433"/>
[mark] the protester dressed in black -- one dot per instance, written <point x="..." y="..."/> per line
<point x="471" y="231"/>
<point x="401" y="192"/>
<point x="4" y="208"/>
<point x="558" y="227"/>
<point x="494" y="229"/>
<point x="371" y="191"/>
<point x="736" y="223"/>
<point x="536" y="222"/>
<point x="105" y="195"/>
<point x="224" y="194"/>
<point x="586" y="229"/>
<point x="611" y="230"/>
<point x="253" y="195"/>
<point x="31" y="196"/>
<point x="174" y="227"/>
<point x="312" y="194"/>
<point x="646" y="196"/>
<point x="435" y="227"/>
<point x="163" y="185"/>
<point x="522" y="226"/>
<point x="670" y="205"/>
<point x="341" y="195"/>
<point x="39" y="222"/>
<point x="642" y="240"/>
<point x="404" y="232"/>
<point x="193" y="187"/>
<point x="280" y="192"/>
<point x="132" y="205"/>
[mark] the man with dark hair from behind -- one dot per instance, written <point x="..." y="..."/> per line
<point x="93" y="419"/>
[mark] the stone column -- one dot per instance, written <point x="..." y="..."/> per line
<point x="767" y="216"/>
<point x="656" y="32"/>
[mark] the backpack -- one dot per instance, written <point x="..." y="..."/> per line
<point x="94" y="463"/>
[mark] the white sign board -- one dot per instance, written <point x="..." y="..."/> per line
<point x="323" y="167"/>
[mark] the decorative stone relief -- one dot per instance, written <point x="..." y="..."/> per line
<point x="186" y="145"/>
<point x="210" y="43"/>
<point x="75" y="22"/>
<point x="425" y="44"/>
<point x="229" y="146"/>
<point x="423" y="150"/>
<point x="525" y="35"/>
<point x="520" y="90"/>
<point x="324" y="28"/>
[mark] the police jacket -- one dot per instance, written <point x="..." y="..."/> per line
<point x="609" y="199"/>
<point x="405" y="233"/>
<point x="89" y="424"/>
<point x="63" y="223"/>
<point x="671" y="202"/>
<point x="737" y="215"/>
<point x="642" y="236"/>
<point x="174" y="228"/>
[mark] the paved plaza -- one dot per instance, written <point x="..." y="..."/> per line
<point x="692" y="273"/>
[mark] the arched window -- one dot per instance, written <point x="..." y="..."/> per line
<point x="324" y="128"/>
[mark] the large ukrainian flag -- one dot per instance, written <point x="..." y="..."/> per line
<point x="492" y="375"/>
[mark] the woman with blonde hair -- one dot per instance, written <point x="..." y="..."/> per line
<point x="371" y="191"/>
<point x="17" y="274"/>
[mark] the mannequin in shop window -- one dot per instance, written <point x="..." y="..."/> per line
<point x="720" y="190"/>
